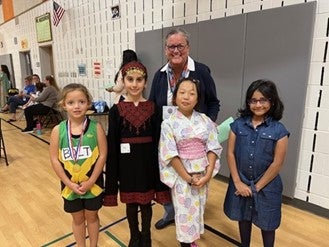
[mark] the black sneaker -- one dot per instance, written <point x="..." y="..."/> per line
<point x="162" y="224"/>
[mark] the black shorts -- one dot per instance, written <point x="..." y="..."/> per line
<point x="77" y="205"/>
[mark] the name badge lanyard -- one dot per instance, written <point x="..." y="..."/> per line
<point x="172" y="79"/>
<point x="75" y="152"/>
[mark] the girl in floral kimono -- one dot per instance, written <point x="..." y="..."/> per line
<point x="189" y="154"/>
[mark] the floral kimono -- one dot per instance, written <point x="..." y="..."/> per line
<point x="190" y="140"/>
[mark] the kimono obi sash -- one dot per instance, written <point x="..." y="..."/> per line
<point x="193" y="148"/>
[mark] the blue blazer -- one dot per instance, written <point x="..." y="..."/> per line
<point x="209" y="103"/>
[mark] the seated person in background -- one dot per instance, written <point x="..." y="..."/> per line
<point x="35" y="79"/>
<point x="19" y="99"/>
<point x="39" y="86"/>
<point x="46" y="100"/>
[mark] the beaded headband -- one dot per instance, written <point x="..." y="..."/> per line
<point x="134" y="67"/>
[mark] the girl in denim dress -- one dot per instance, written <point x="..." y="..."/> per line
<point x="256" y="151"/>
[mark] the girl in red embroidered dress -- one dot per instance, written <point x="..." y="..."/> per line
<point x="132" y="165"/>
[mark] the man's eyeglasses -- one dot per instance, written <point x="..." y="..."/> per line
<point x="261" y="101"/>
<point x="179" y="47"/>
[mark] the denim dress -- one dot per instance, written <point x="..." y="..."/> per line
<point x="254" y="153"/>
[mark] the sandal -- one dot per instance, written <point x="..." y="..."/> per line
<point x="12" y="120"/>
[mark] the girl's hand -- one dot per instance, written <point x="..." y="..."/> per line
<point x="198" y="181"/>
<point x="76" y="189"/>
<point x="242" y="189"/>
<point x="85" y="186"/>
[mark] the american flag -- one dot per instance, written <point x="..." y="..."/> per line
<point x="58" y="13"/>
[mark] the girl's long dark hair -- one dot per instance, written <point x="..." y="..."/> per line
<point x="269" y="90"/>
<point x="127" y="56"/>
<point x="5" y="70"/>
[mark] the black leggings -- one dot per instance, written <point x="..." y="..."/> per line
<point x="33" y="110"/>
<point x="245" y="234"/>
<point x="139" y="238"/>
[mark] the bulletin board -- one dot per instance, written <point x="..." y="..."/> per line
<point x="43" y="28"/>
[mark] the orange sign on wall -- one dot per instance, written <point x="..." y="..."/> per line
<point x="7" y="9"/>
<point x="24" y="44"/>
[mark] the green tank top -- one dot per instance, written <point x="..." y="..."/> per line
<point x="79" y="170"/>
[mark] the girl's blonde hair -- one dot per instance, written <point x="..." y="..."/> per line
<point x="74" y="87"/>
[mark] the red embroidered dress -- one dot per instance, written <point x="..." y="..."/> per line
<point x="132" y="166"/>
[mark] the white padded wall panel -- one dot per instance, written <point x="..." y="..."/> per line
<point x="204" y="7"/>
<point x="168" y="13"/>
<point x="232" y="11"/>
<point x="148" y="18"/>
<point x="190" y="8"/>
<point x="250" y="7"/>
<point x="131" y="15"/>
<point x="321" y="145"/>
<point x="302" y="180"/>
<point x="131" y="36"/>
<point x="307" y="140"/>
<point x="277" y="3"/>
<point x="320" y="28"/>
<point x="217" y="14"/>
<point x="180" y="21"/>
<point x="321" y="164"/>
<point x="168" y="23"/>
<point x="323" y="6"/>
<point x="267" y="4"/>
<point x="190" y="19"/>
<point x="315" y="73"/>
<point x="291" y="2"/>
<point x="326" y="75"/>
<point x="239" y="9"/>
<point x="319" y="200"/>
<point x="179" y="10"/>
<point x="157" y="16"/>
<point x="323" y="120"/>
<point x="233" y="3"/>
<point x="301" y="194"/>
<point x="124" y="40"/>
<point x="204" y="16"/>
<point x="139" y="8"/>
<point x="304" y="161"/>
<point x="309" y="118"/>
<point x="320" y="185"/>
<point x="318" y="49"/>
<point x="312" y="96"/>
<point x="219" y="4"/>
<point x="325" y="97"/>
<point x="148" y="14"/>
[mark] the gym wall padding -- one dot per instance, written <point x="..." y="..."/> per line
<point x="274" y="44"/>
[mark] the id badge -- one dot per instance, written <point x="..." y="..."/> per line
<point x="167" y="111"/>
<point x="125" y="148"/>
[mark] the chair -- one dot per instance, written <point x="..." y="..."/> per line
<point x="2" y="146"/>
<point x="20" y="113"/>
<point x="54" y="116"/>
